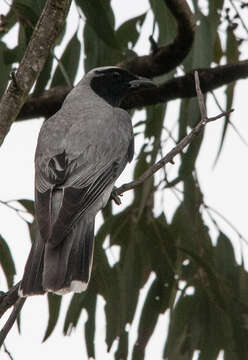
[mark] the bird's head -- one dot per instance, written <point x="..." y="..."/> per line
<point x="113" y="83"/>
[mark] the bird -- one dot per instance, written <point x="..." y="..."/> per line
<point x="81" y="151"/>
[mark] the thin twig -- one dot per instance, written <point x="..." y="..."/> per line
<point x="240" y="17"/>
<point x="12" y="318"/>
<point x="7" y="352"/>
<point x="180" y="146"/>
<point x="227" y="222"/>
<point x="235" y="129"/>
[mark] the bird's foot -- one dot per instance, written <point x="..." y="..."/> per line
<point x="115" y="197"/>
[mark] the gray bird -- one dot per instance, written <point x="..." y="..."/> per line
<point x="81" y="151"/>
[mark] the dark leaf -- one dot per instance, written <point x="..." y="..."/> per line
<point x="28" y="205"/>
<point x="98" y="18"/>
<point x="97" y="53"/>
<point x="148" y="319"/>
<point x="166" y="22"/>
<point x="90" y="305"/>
<point x="68" y="64"/>
<point x="6" y="262"/>
<point x="73" y="312"/>
<point x="44" y="77"/>
<point x="54" y="303"/>
<point x="5" y="68"/>
<point x="232" y="55"/>
<point x="128" y="32"/>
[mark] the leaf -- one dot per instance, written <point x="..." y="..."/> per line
<point x="148" y="319"/>
<point x="178" y="345"/>
<point x="201" y="54"/>
<point x="67" y="67"/>
<point x="189" y="157"/>
<point x="225" y="258"/>
<point x="232" y="57"/>
<point x="90" y="305"/>
<point x="166" y="22"/>
<point x="73" y="312"/>
<point x="5" y="68"/>
<point x="7" y="262"/>
<point x="97" y="53"/>
<point x="98" y="18"/>
<point x="122" y="350"/>
<point x="44" y="77"/>
<point x="54" y="304"/>
<point x="128" y="33"/>
<point x="28" y="205"/>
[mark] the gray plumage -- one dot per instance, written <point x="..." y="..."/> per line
<point x="81" y="151"/>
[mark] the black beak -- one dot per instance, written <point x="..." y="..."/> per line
<point x="141" y="83"/>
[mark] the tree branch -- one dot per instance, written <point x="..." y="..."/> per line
<point x="180" y="87"/>
<point x="170" y="56"/>
<point x="184" y="86"/>
<point x="11" y="320"/>
<point x="44" y="35"/>
<point x="179" y="147"/>
<point x="8" y="299"/>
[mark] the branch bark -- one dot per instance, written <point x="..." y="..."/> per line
<point x="170" y="56"/>
<point x="44" y="35"/>
<point x="8" y="299"/>
<point x="180" y="87"/>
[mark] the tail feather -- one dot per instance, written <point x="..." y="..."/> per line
<point x="64" y="268"/>
<point x="31" y="283"/>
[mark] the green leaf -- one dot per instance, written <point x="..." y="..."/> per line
<point x="44" y="77"/>
<point x="90" y="306"/>
<point x="122" y="351"/>
<point x="73" y="312"/>
<point x="166" y="22"/>
<point x="98" y="18"/>
<point x="97" y="53"/>
<point x="54" y="304"/>
<point x="67" y="67"/>
<point x="7" y="262"/>
<point x="5" y="68"/>
<point x="128" y="32"/>
<point x="232" y="57"/>
<point x="28" y="205"/>
<point x="225" y="258"/>
<point x="148" y="319"/>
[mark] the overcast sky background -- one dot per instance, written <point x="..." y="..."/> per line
<point x="224" y="187"/>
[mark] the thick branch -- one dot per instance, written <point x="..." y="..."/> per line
<point x="170" y="56"/>
<point x="179" y="147"/>
<point x="11" y="320"/>
<point x="45" y="33"/>
<point x="184" y="86"/>
<point x="181" y="87"/>
<point x="8" y="299"/>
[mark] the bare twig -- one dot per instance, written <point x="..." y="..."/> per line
<point x="10" y="322"/>
<point x="235" y="129"/>
<point x="44" y="35"/>
<point x="179" y="147"/>
<point x="239" y="15"/>
<point x="7" y="352"/>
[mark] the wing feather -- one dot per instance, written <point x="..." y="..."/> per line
<point x="75" y="170"/>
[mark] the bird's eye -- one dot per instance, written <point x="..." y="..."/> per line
<point x="116" y="75"/>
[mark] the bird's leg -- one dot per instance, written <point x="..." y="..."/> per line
<point x="115" y="197"/>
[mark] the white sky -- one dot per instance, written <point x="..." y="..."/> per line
<point x="224" y="188"/>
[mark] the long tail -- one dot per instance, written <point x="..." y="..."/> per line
<point x="31" y="283"/>
<point x="64" y="268"/>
